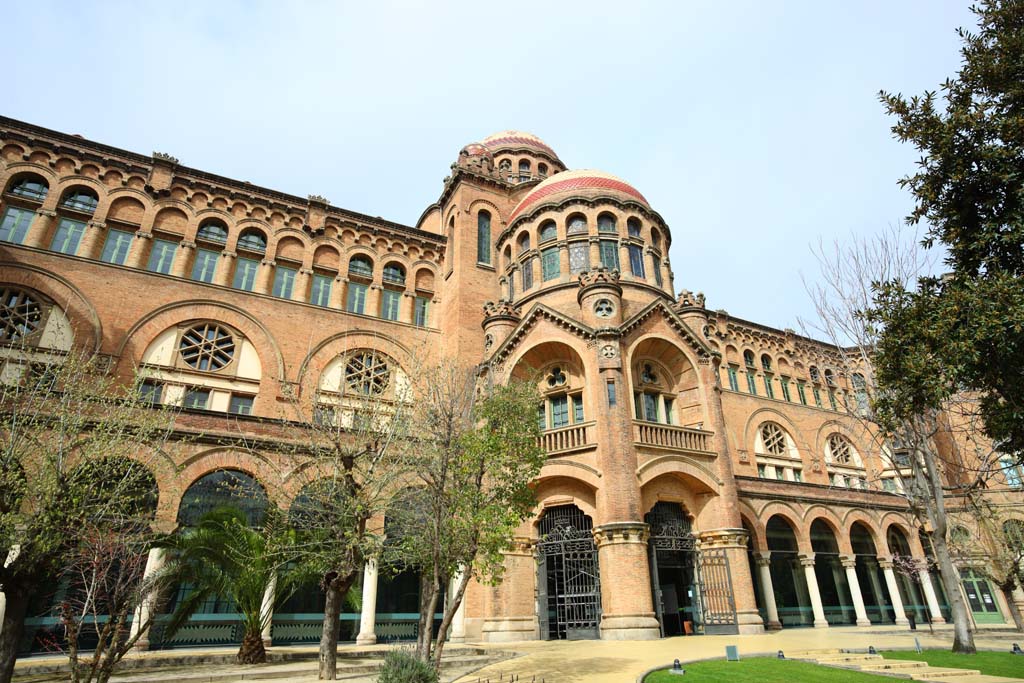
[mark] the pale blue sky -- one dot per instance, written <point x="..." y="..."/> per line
<point x="752" y="127"/>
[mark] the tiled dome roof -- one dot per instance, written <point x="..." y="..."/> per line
<point x="517" y="139"/>
<point x="587" y="183"/>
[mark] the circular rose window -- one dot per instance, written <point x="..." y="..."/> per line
<point x="20" y="314"/>
<point x="207" y="347"/>
<point x="367" y="373"/>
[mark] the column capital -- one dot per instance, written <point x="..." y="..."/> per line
<point x="268" y="262"/>
<point x="885" y="562"/>
<point x="187" y="245"/>
<point x="46" y="212"/>
<point x="763" y="559"/>
<point x="139" y="235"/>
<point x="621" y="532"/>
<point x="99" y="225"/>
<point x="305" y="271"/>
<point x="228" y="254"/>
<point x="806" y="559"/>
<point x="848" y="561"/>
<point x="723" y="538"/>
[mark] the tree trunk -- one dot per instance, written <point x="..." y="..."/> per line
<point x="10" y="636"/>
<point x="1007" y="589"/>
<point x="252" y="650"/>
<point x="449" y="614"/>
<point x="429" y="589"/>
<point x="329" y="633"/>
<point x="963" y="639"/>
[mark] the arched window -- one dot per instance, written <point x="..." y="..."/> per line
<point x="633" y="226"/>
<point x="830" y="378"/>
<point x="563" y="398"/>
<point x="577" y="224"/>
<point x="524" y="243"/>
<point x="30" y="186"/>
<point x="213" y="231"/>
<point x="542" y="170"/>
<point x="860" y="392"/>
<point x="777" y="457"/>
<point x="524" y="170"/>
<point x="20" y="315"/>
<point x="252" y="240"/>
<point x="748" y="358"/>
<point x="505" y="166"/>
<point x="815" y="374"/>
<point x="766" y="362"/>
<point x="80" y="199"/>
<point x="655" y="238"/>
<point x="223" y="488"/>
<point x="606" y="223"/>
<point x="360" y="266"/>
<point x="483" y="237"/>
<point x="548" y="231"/>
<point x="394" y="273"/>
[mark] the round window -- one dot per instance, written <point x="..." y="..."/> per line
<point x="207" y="347"/>
<point x="604" y="308"/>
<point x="367" y="373"/>
<point x="19" y="314"/>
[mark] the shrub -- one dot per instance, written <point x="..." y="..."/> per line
<point x="403" y="667"/>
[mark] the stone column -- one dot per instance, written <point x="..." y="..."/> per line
<point x="267" y="611"/>
<point x="850" y="565"/>
<point x="183" y="261"/>
<point x="368" y="615"/>
<point x="512" y="607"/>
<point x="337" y="299"/>
<point x="300" y="288"/>
<point x="12" y="555"/>
<point x="457" y="633"/>
<point x="930" y="597"/>
<point x="144" y="613"/>
<point x="763" y="561"/>
<point x="40" y="228"/>
<point x="92" y="240"/>
<point x="407" y="309"/>
<point x="372" y="306"/>
<point x="627" y="609"/>
<point x="139" y="250"/>
<point x="225" y="268"/>
<point x="807" y="562"/>
<point x="894" y="590"/>
<point x="624" y="267"/>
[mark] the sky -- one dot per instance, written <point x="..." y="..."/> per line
<point x="753" y="128"/>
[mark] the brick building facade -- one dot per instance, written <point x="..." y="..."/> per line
<point x="704" y="474"/>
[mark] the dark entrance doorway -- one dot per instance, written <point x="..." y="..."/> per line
<point x="673" y="560"/>
<point x="568" y="584"/>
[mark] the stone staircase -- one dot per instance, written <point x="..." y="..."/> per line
<point x="900" y="668"/>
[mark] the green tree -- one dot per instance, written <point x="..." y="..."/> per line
<point x="476" y="454"/>
<point x="966" y="329"/>
<point x="224" y="556"/>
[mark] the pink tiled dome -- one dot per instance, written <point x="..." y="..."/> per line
<point x="587" y="183"/>
<point x="517" y="139"/>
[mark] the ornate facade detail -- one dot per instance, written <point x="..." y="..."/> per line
<point x="688" y="299"/>
<point x="621" y="532"/>
<point x="501" y="309"/>
<point x="165" y="158"/>
<point x="318" y="199"/>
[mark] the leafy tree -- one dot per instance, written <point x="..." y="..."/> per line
<point x="224" y="556"/>
<point x="77" y="446"/>
<point x="966" y="329"/>
<point x="475" y="456"/>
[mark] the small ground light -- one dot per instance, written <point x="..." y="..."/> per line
<point x="871" y="650"/>
<point x="781" y="655"/>
<point x="677" y="668"/>
<point x="1016" y="649"/>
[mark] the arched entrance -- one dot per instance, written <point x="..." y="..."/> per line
<point x="568" y="582"/>
<point x="673" y="561"/>
<point x="788" y="579"/>
<point x="836" y="599"/>
<point x="870" y="576"/>
<point x="907" y="577"/>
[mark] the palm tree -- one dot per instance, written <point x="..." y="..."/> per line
<point x="224" y="556"/>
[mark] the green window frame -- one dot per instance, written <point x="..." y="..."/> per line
<point x="784" y="382"/>
<point x="284" y="281"/>
<point x="734" y="381"/>
<point x="197" y="398"/>
<point x="656" y="267"/>
<point x="320" y="291"/>
<point x="609" y="254"/>
<point x="205" y="265"/>
<point x="161" y="256"/>
<point x="389" y="303"/>
<point x="15" y="224"/>
<point x="768" y="389"/>
<point x="356" y="300"/>
<point x="636" y="261"/>
<point x="68" y="236"/>
<point x="559" y="411"/>
<point x="116" y="246"/>
<point x="483" y="238"/>
<point x="751" y="384"/>
<point x="817" y="396"/>
<point x="832" y="399"/>
<point x="801" y="392"/>
<point x="577" y="408"/>
<point x="421" y="311"/>
<point x="528" y="274"/>
<point x="550" y="267"/>
<point x="245" y="274"/>
<point x="240" y="404"/>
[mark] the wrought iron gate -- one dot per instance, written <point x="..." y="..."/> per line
<point x="568" y="582"/>
<point x="718" y="606"/>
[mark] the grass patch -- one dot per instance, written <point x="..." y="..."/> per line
<point x="990" y="663"/>
<point x="763" y="670"/>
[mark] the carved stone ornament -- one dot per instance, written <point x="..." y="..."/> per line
<point x="502" y="309"/>
<point x="604" y="308"/>
<point x="688" y="299"/>
<point x="488" y="342"/>
<point x="609" y="351"/>
<point x="317" y="199"/>
<point x="599" y="276"/>
<point x="166" y="158"/>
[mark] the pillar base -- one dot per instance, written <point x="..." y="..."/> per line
<point x="141" y="645"/>
<point x="267" y="642"/>
<point x="902" y="622"/>
<point x="510" y="630"/>
<point x="821" y="624"/>
<point x="938" y="620"/>
<point x="749" y="622"/>
<point x="773" y="626"/>
<point x="458" y="640"/>
<point x="863" y="623"/>
<point x="630" y="627"/>
<point x="368" y="639"/>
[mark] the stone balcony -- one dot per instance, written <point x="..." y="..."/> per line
<point x="670" y="437"/>
<point x="577" y="437"/>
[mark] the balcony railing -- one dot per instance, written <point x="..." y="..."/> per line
<point x="566" y="439"/>
<point x="668" y="436"/>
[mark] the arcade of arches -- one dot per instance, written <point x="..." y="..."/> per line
<point x="704" y="473"/>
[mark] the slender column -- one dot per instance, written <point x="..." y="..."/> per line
<point x="40" y="228"/>
<point x="368" y="615"/>
<point x="457" y="634"/>
<point x="850" y="564"/>
<point x="763" y="561"/>
<point x="265" y="277"/>
<point x="300" y="289"/>
<point x="807" y="562"/>
<point x="267" y="611"/>
<point x="337" y="298"/>
<point x="92" y="240"/>
<point x="407" y="309"/>
<point x="624" y="268"/>
<point x="144" y="612"/>
<point x="929" y="595"/>
<point x="225" y="267"/>
<point x="12" y="555"/>
<point x="595" y="252"/>
<point x="139" y="250"/>
<point x="894" y="590"/>
<point x="372" y="301"/>
<point x="183" y="261"/>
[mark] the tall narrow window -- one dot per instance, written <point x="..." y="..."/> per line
<point x="734" y="383"/>
<point x="579" y="257"/>
<point x="549" y="264"/>
<point x="69" y="234"/>
<point x="245" y="274"/>
<point x="205" y="265"/>
<point x="559" y="411"/>
<point x="577" y="408"/>
<point x="161" y="256"/>
<point x="524" y="171"/>
<point x="284" y="281"/>
<point x="784" y="382"/>
<point x="633" y="227"/>
<point x="801" y="392"/>
<point x="356" y="302"/>
<point x="483" y="238"/>
<point x="817" y="396"/>
<point x="610" y="390"/>
<point x="15" y="224"/>
<point x="528" y="274"/>
<point x="389" y="303"/>
<point x="751" y="384"/>
<point x="860" y="392"/>
<point x="115" y="248"/>
<point x="657" y="270"/>
<point x="832" y="399"/>
<point x="636" y="260"/>
<point x="548" y="231"/>
<point x="421" y="311"/>
<point x="609" y="254"/>
<point x="320" y="292"/>
<point x="606" y="223"/>
<point x="768" y="389"/>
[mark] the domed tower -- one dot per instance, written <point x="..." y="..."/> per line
<point x="521" y="157"/>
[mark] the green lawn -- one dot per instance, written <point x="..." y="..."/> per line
<point x="990" y="663"/>
<point x="764" y="670"/>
